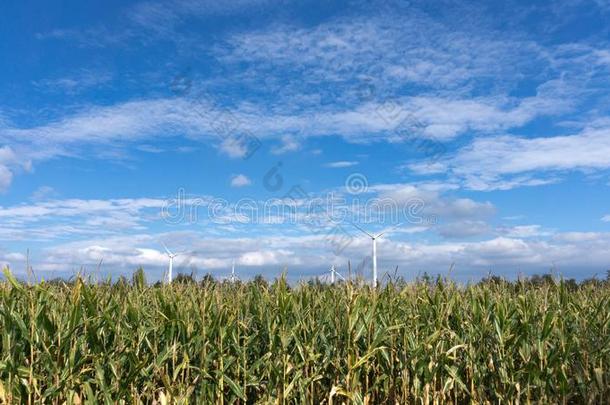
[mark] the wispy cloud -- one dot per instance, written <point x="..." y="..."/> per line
<point x="43" y="193"/>
<point x="76" y="83"/>
<point x="288" y="144"/>
<point x="506" y="162"/>
<point x="343" y="77"/>
<point x="147" y="120"/>
<point x="341" y="164"/>
<point x="51" y="219"/>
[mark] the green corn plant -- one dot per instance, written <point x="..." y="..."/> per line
<point x="248" y="343"/>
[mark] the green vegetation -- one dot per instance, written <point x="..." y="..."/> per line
<point x="211" y="342"/>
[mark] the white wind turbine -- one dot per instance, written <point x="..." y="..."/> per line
<point x="374" y="239"/>
<point x="334" y="273"/>
<point x="171" y="263"/>
<point x="233" y="276"/>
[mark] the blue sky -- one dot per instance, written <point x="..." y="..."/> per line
<point x="486" y="126"/>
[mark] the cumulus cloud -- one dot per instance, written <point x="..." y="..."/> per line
<point x="464" y="229"/>
<point x="524" y="231"/>
<point x="9" y="162"/>
<point x="240" y="180"/>
<point x="577" y="255"/>
<point x="6" y="178"/>
<point x="434" y="202"/>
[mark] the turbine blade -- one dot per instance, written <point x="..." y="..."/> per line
<point x="166" y="249"/>
<point x="362" y="230"/>
<point x="389" y="230"/>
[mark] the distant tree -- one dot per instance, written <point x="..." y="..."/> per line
<point x="208" y="280"/>
<point x="541" y="280"/>
<point x="495" y="281"/>
<point x="57" y="281"/>
<point x="260" y="281"/>
<point x="592" y="282"/>
<point x="425" y="278"/>
<point x="570" y="284"/>
<point x="182" y="278"/>
<point x="315" y="283"/>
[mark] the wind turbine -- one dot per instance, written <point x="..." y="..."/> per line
<point x="334" y="273"/>
<point x="171" y="263"/>
<point x="374" y="239"/>
<point x="233" y="276"/>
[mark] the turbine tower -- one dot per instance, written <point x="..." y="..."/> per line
<point x="171" y="263"/>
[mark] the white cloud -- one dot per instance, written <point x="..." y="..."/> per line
<point x="14" y="261"/>
<point x="466" y="73"/>
<point x="606" y="218"/>
<point x="579" y="236"/>
<point x="524" y="231"/>
<point x="464" y="228"/>
<point x="9" y="162"/>
<point x="75" y="207"/>
<point x="79" y="81"/>
<point x="43" y="193"/>
<point x="6" y="178"/>
<point x="573" y="254"/>
<point x="341" y="164"/>
<point x="122" y="125"/>
<point x="396" y="47"/>
<point x="289" y="144"/>
<point x="50" y="220"/>
<point x="240" y="180"/>
<point x="447" y="209"/>
<point x="163" y="16"/>
<point x="200" y="254"/>
<point x="505" y="162"/>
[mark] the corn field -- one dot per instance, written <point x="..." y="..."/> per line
<point x="245" y="343"/>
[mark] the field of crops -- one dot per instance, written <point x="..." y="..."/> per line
<point x="259" y="343"/>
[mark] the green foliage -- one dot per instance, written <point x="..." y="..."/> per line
<point x="427" y="342"/>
